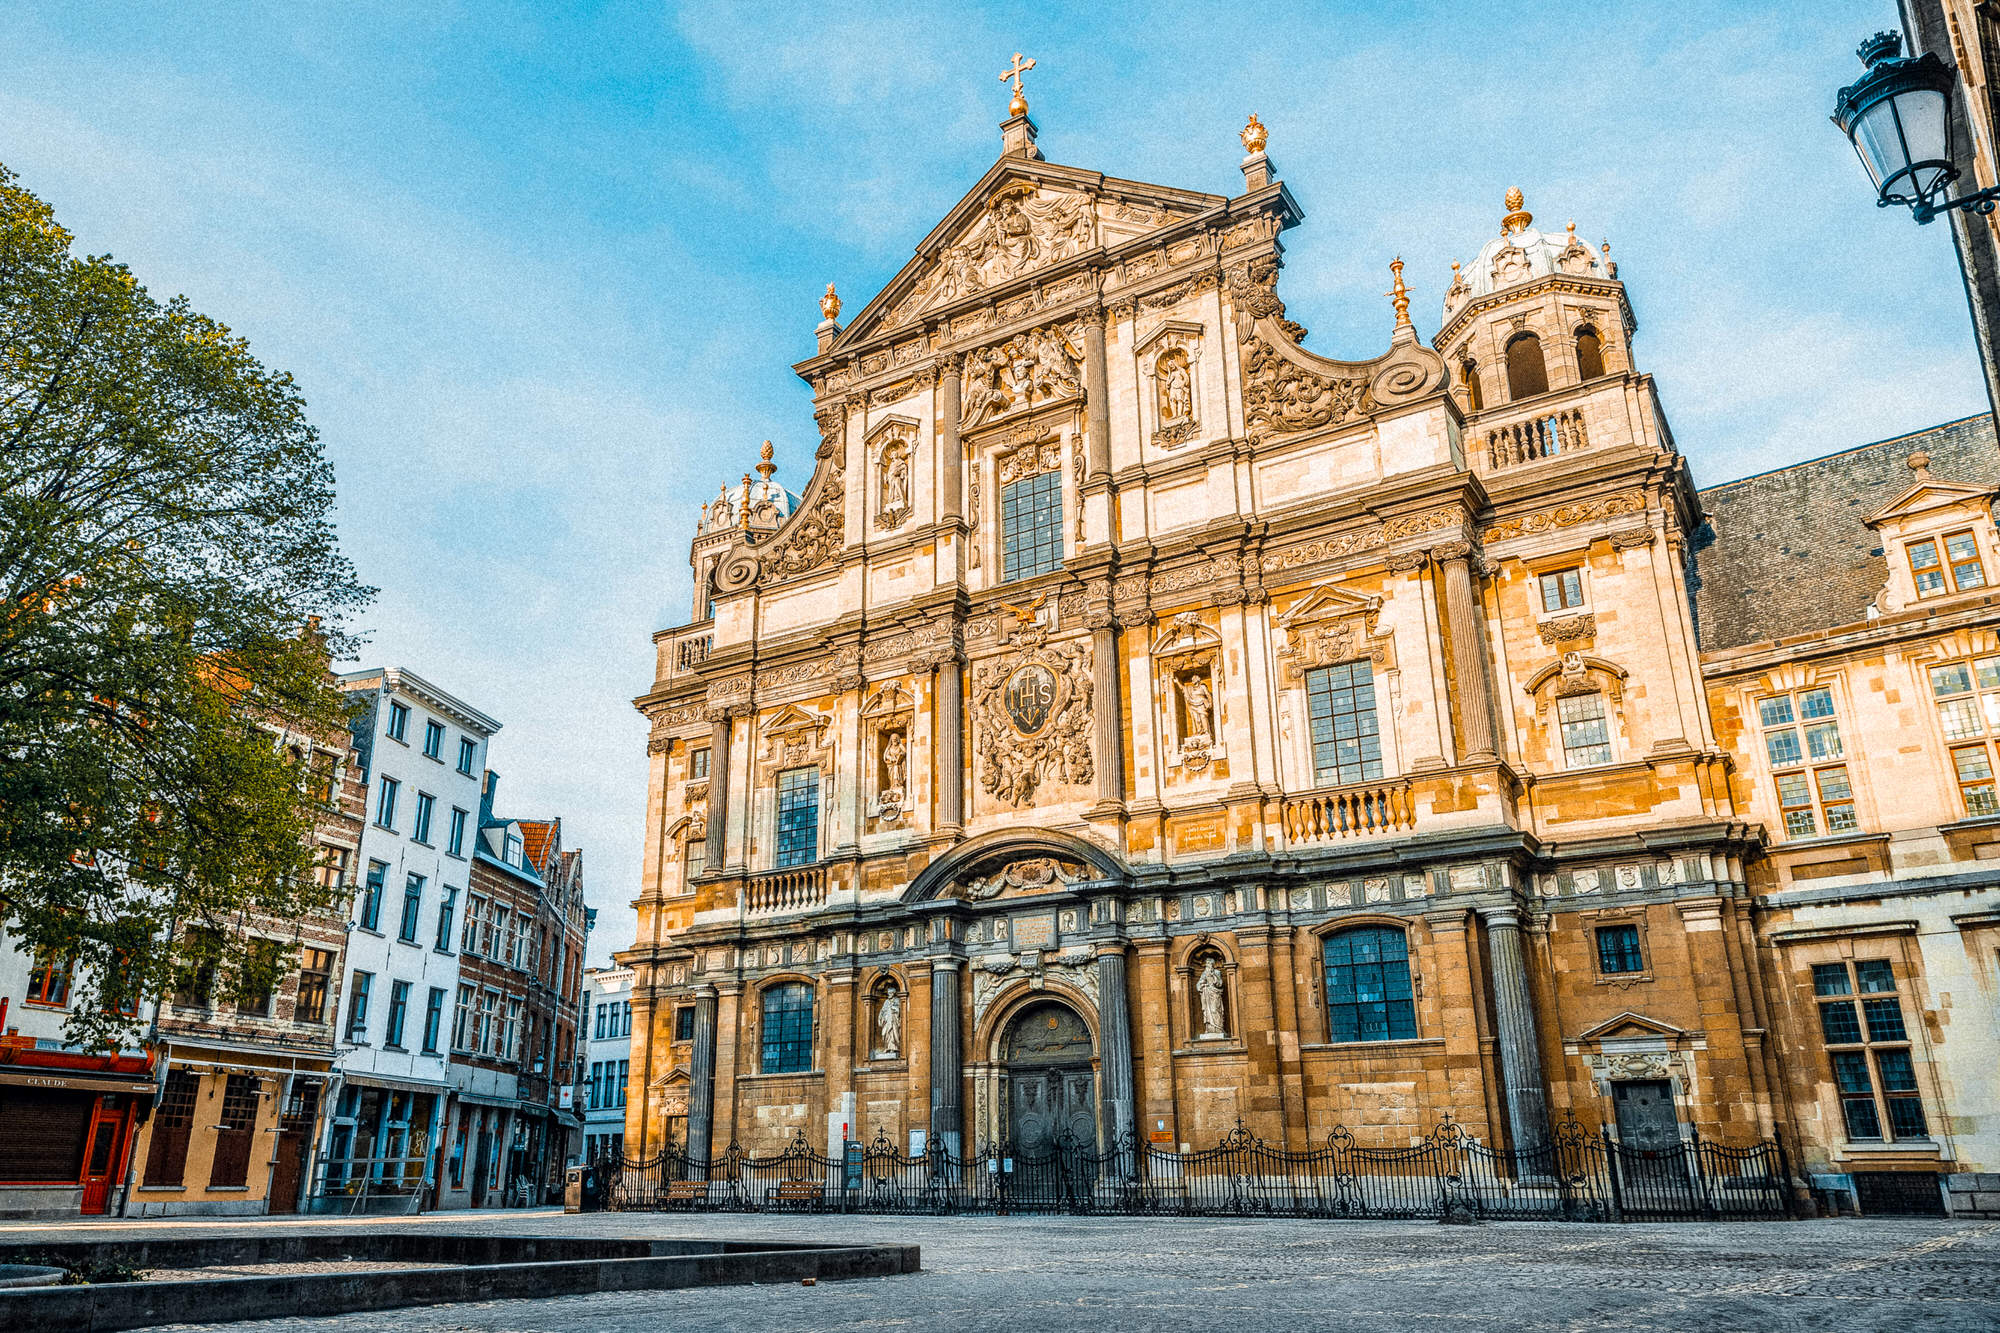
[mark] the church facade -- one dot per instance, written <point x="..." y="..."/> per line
<point x="1139" y="724"/>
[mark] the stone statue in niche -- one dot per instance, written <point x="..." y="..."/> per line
<point x="1195" y="698"/>
<point x="895" y="764"/>
<point x="1211" y="989"/>
<point x="895" y="485"/>
<point x="1176" y="389"/>
<point x="1197" y="718"/>
<point x="889" y="1022"/>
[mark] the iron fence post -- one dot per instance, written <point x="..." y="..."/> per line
<point x="1611" y="1165"/>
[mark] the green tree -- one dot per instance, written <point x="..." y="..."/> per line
<point x="170" y="591"/>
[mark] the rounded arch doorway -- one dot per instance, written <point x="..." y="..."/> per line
<point x="1051" y="1074"/>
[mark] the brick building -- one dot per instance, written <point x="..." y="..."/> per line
<point x="1139" y="724"/>
<point x="513" y="1032"/>
<point x="244" y="1077"/>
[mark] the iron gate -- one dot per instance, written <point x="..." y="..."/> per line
<point x="1576" y="1176"/>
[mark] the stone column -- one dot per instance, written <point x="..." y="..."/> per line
<point x="1468" y="651"/>
<point x="1114" y="1018"/>
<point x="718" y="793"/>
<point x="947" y="1059"/>
<point x="1109" y="712"/>
<point x="951" y="452"/>
<point x="1520" y="1037"/>
<point x="1097" y="394"/>
<point x="949" y="720"/>
<point x="701" y="1081"/>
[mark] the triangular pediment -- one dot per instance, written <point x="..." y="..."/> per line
<point x="1630" y="1025"/>
<point x="792" y="718"/>
<point x="1023" y="218"/>
<point x="1927" y="495"/>
<point x="1327" y="602"/>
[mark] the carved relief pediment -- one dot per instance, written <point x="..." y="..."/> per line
<point x="1022" y="218"/>
<point x="1033" y="369"/>
<point x="1022" y="878"/>
<point x="1186" y="635"/>
<point x="892" y="700"/>
<point x="1630" y="1025"/>
<point x="1330" y="625"/>
<point x="793" y="735"/>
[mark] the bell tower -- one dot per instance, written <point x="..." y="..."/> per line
<point x="1536" y="315"/>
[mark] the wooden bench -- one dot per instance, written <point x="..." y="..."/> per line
<point x="685" y="1193"/>
<point x="796" y="1194"/>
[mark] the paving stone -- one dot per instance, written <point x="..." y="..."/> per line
<point x="1130" y="1274"/>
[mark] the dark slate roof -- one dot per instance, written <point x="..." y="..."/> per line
<point x="1786" y="552"/>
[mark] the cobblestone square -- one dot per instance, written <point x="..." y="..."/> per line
<point x="1129" y="1274"/>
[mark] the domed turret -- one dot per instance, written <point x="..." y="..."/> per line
<point x="758" y="506"/>
<point x="1522" y="254"/>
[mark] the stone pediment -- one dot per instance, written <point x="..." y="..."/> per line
<point x="1023" y="217"/>
<point x="1629" y="1026"/>
<point x="1927" y="495"/>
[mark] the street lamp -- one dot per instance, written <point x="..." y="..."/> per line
<point x="1897" y="116"/>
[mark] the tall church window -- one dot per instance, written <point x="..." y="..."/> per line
<point x="1347" y="743"/>
<point x="1031" y="524"/>
<point x="1589" y="353"/>
<point x="1868" y="1045"/>
<point x="1368" y="994"/>
<point x="1586" y="736"/>
<point x="1527" y="373"/>
<point x="787" y="1028"/>
<point x="1475" y="401"/>
<point x="798" y="816"/>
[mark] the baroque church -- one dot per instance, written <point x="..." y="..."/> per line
<point x="1139" y="725"/>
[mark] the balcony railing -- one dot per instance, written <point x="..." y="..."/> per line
<point x="1542" y="436"/>
<point x="799" y="889"/>
<point x="1358" y="810"/>
<point x="692" y="651"/>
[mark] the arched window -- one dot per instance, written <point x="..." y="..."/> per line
<point x="1474" y="400"/>
<point x="1589" y="353"/>
<point x="1527" y="374"/>
<point x="1368" y="996"/>
<point x="788" y="1028"/>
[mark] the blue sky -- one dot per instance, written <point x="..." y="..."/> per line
<point x="542" y="270"/>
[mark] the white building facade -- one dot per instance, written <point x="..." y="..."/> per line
<point x="606" y="1062"/>
<point x="423" y="752"/>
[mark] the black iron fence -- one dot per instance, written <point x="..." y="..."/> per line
<point x="1576" y="1176"/>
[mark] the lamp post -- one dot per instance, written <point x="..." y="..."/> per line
<point x="1897" y="116"/>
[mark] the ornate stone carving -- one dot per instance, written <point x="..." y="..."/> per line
<point x="1330" y="626"/>
<point x="1569" y="629"/>
<point x="1187" y="657"/>
<point x="1625" y="538"/>
<point x="1569" y="515"/>
<point x="1030" y="459"/>
<point x="1212" y="992"/>
<point x="889" y="1022"/>
<point x="1170" y="361"/>
<point x="895" y="446"/>
<point x="1281" y="397"/>
<point x="1029" y="369"/>
<point x="1032" y="719"/>
<point x="886" y="720"/>
<point x="1038" y="874"/>
<point x="1343" y="544"/>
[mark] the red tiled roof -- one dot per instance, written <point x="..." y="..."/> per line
<point x="537" y="836"/>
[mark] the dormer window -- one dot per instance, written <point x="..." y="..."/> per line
<point x="1960" y="556"/>
<point x="512" y="853"/>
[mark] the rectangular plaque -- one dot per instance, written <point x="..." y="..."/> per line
<point x="1034" y="932"/>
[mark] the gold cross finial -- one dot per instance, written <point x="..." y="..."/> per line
<point x="1019" y="106"/>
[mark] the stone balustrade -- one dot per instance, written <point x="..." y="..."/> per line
<point x="1544" y="436"/>
<point x="1357" y="810"/>
<point x="799" y="889"/>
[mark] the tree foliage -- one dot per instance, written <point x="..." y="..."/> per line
<point x="170" y="590"/>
